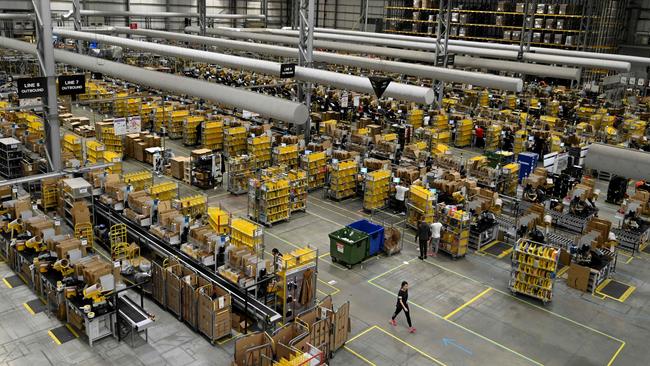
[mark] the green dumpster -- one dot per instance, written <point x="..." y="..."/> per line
<point x="348" y="246"/>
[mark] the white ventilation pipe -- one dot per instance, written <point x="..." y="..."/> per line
<point x="16" y="16"/>
<point x="474" y="51"/>
<point x="497" y="46"/>
<point x="162" y="14"/>
<point x="360" y="84"/>
<point x="430" y="72"/>
<point x="267" y="106"/>
<point x="487" y="81"/>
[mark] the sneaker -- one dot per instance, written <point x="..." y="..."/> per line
<point x="393" y="322"/>
<point x="420" y="258"/>
<point x="412" y="330"/>
<point x="430" y="254"/>
<point x="435" y="255"/>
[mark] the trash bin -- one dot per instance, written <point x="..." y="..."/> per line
<point x="348" y="246"/>
<point x="375" y="233"/>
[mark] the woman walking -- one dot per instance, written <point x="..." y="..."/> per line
<point x="402" y="304"/>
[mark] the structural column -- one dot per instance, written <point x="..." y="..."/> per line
<point x="305" y="55"/>
<point x="442" y="41"/>
<point x="45" y="54"/>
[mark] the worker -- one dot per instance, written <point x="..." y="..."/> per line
<point x="277" y="259"/>
<point x="199" y="129"/>
<point x="154" y="211"/>
<point x="402" y="304"/>
<point x="480" y="138"/>
<point x="436" y="229"/>
<point x="423" y="236"/>
<point x="400" y="197"/>
<point x="508" y="141"/>
<point x="186" y="229"/>
<point x="127" y="190"/>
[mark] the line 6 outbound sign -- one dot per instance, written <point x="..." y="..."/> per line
<point x="72" y="84"/>
<point x="31" y="87"/>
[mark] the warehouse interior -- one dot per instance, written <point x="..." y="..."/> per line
<point x="324" y="182"/>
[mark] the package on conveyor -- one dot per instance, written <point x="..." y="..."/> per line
<point x="17" y="207"/>
<point x="289" y="139"/>
<point x="140" y="202"/>
<point x="643" y="197"/>
<point x="407" y="175"/>
<point x="92" y="268"/>
<point x="62" y="244"/>
<point x="42" y="226"/>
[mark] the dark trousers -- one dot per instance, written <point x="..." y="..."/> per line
<point x="423" y="248"/>
<point x="398" y="309"/>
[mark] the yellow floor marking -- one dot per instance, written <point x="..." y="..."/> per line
<point x="623" y="297"/>
<point x="324" y="255"/>
<point x="29" y="309"/>
<point x="412" y="347"/>
<point x="505" y="253"/>
<point x="283" y="240"/>
<point x="56" y="340"/>
<point x="463" y="328"/>
<point x="506" y="294"/>
<point x="629" y="260"/>
<point x="394" y="337"/>
<point x="562" y="271"/>
<point x="467" y="303"/>
<point x="336" y="290"/>
<point x="616" y="354"/>
<point x="359" y="356"/>
<point x="490" y="244"/>
<point x="6" y="283"/>
<point x="74" y="333"/>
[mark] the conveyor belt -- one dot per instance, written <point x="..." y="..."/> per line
<point x="254" y="308"/>
<point x="130" y="309"/>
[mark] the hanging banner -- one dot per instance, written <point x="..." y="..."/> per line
<point x="119" y="125"/>
<point x="134" y="124"/>
<point x="31" y="87"/>
<point x="72" y="84"/>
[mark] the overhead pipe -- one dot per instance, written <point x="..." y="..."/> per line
<point x="265" y="105"/>
<point x="438" y="73"/>
<point x="17" y="16"/>
<point x="360" y="84"/>
<point x="447" y="75"/>
<point x="162" y="14"/>
<point x="474" y="51"/>
<point x="547" y="50"/>
<point x="628" y="163"/>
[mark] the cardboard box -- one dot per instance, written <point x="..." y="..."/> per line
<point x="63" y="247"/>
<point x="80" y="213"/>
<point x="178" y="165"/>
<point x="578" y="277"/>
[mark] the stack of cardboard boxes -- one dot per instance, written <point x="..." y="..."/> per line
<point x="139" y="209"/>
<point x="137" y="143"/>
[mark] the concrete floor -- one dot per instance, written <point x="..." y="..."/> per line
<point x="463" y="310"/>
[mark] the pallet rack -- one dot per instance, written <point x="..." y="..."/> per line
<point x="191" y="205"/>
<point x="493" y="137"/>
<point x="49" y="192"/>
<point x="464" y="133"/>
<point x="315" y="164"/>
<point x="174" y="122"/>
<point x="11" y="156"/>
<point x="73" y="144"/>
<point x="455" y="238"/>
<point x="286" y="155"/>
<point x="219" y="220"/>
<point x="95" y="151"/>
<point x="298" y="180"/>
<point x="259" y="149"/>
<point x="205" y="168"/>
<point x="116" y="159"/>
<point x="164" y="191"/>
<point x="212" y="135"/>
<point x="510" y="179"/>
<point x="234" y="141"/>
<point x="420" y="205"/>
<point x="105" y="133"/>
<point x="295" y="269"/>
<point x="269" y="200"/>
<point x="575" y="25"/>
<point x="238" y="174"/>
<point x="375" y="194"/>
<point x="74" y="190"/>
<point x="244" y="233"/>
<point x="343" y="179"/>
<point x="534" y="266"/>
<point x="138" y="180"/>
<point x="190" y="125"/>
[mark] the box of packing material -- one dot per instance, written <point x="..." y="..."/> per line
<point x="140" y="202"/>
<point x="94" y="270"/>
<point x="63" y="247"/>
<point x="178" y="165"/>
<point x="80" y="213"/>
<point x="138" y="151"/>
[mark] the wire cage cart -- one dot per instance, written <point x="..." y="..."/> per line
<point x="394" y="226"/>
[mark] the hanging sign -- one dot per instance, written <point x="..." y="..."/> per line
<point x="119" y="125"/>
<point x="379" y="84"/>
<point x="287" y="71"/>
<point x="72" y="84"/>
<point x="31" y="87"/>
<point x="134" y="124"/>
<point x="344" y="99"/>
<point x="451" y="60"/>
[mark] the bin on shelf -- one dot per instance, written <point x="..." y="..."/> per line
<point x="375" y="233"/>
<point x="348" y="246"/>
